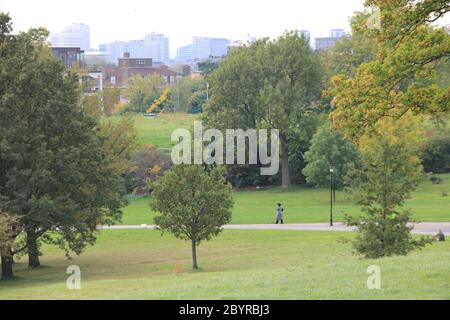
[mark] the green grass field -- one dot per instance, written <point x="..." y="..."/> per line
<point x="142" y="264"/>
<point x="307" y="205"/>
<point x="158" y="131"/>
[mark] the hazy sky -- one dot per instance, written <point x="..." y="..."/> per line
<point x="181" y="19"/>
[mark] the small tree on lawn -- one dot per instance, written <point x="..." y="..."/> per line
<point x="391" y="171"/>
<point x="194" y="203"/>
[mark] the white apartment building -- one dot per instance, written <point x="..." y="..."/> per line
<point x="75" y="35"/>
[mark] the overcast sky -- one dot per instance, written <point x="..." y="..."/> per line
<point x="181" y="19"/>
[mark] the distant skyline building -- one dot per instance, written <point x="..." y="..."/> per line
<point x="323" y="43"/>
<point x="136" y="49"/>
<point x="337" y="33"/>
<point x="115" y="50"/>
<point x="154" y="46"/>
<point x="203" y="48"/>
<point x="73" y="36"/>
<point x="157" y="47"/>
<point x="96" y="57"/>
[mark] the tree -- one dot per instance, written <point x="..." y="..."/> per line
<point x="351" y="51"/>
<point x="54" y="173"/>
<point x="194" y="203"/>
<point x="436" y="156"/>
<point x="329" y="149"/>
<point x="119" y="142"/>
<point x="146" y="166"/>
<point x="300" y="144"/>
<point x="197" y="101"/>
<point x="403" y="76"/>
<point x="292" y="84"/>
<point x="235" y="88"/>
<point x="91" y="104"/>
<point x="184" y="90"/>
<point x="141" y="92"/>
<point x="208" y="66"/>
<point x="270" y="84"/>
<point x="111" y="97"/>
<point x="391" y="171"/>
<point x="9" y="230"/>
<point x="98" y="104"/>
<point x="436" y="150"/>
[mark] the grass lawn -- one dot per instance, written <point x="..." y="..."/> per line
<point x="158" y="131"/>
<point x="239" y="264"/>
<point x="307" y="205"/>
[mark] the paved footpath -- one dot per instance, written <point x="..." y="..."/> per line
<point x="430" y="228"/>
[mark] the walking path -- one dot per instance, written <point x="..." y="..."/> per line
<point x="430" y="228"/>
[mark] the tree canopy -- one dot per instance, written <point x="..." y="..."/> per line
<point x="403" y="75"/>
<point x="329" y="149"/>
<point x="269" y="84"/>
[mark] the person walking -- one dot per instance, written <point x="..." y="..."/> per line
<point x="280" y="211"/>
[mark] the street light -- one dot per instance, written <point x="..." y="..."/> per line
<point x="331" y="195"/>
<point x="207" y="91"/>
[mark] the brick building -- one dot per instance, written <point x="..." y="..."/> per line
<point x="129" y="67"/>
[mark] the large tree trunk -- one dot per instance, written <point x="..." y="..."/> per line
<point x="285" y="174"/>
<point x="194" y="255"/>
<point x="33" y="251"/>
<point x="7" y="266"/>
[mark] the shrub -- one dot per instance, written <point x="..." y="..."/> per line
<point x="436" y="180"/>
<point x="385" y="237"/>
<point x="436" y="156"/>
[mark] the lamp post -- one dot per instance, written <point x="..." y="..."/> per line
<point x="331" y="195"/>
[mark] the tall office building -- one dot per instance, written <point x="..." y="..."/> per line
<point x="337" y="33"/>
<point x="157" y="47"/>
<point x="117" y="49"/>
<point x="136" y="49"/>
<point x="323" y="43"/>
<point x="75" y="35"/>
<point x="203" y="48"/>
<point x="154" y="46"/>
<point x="114" y="49"/>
